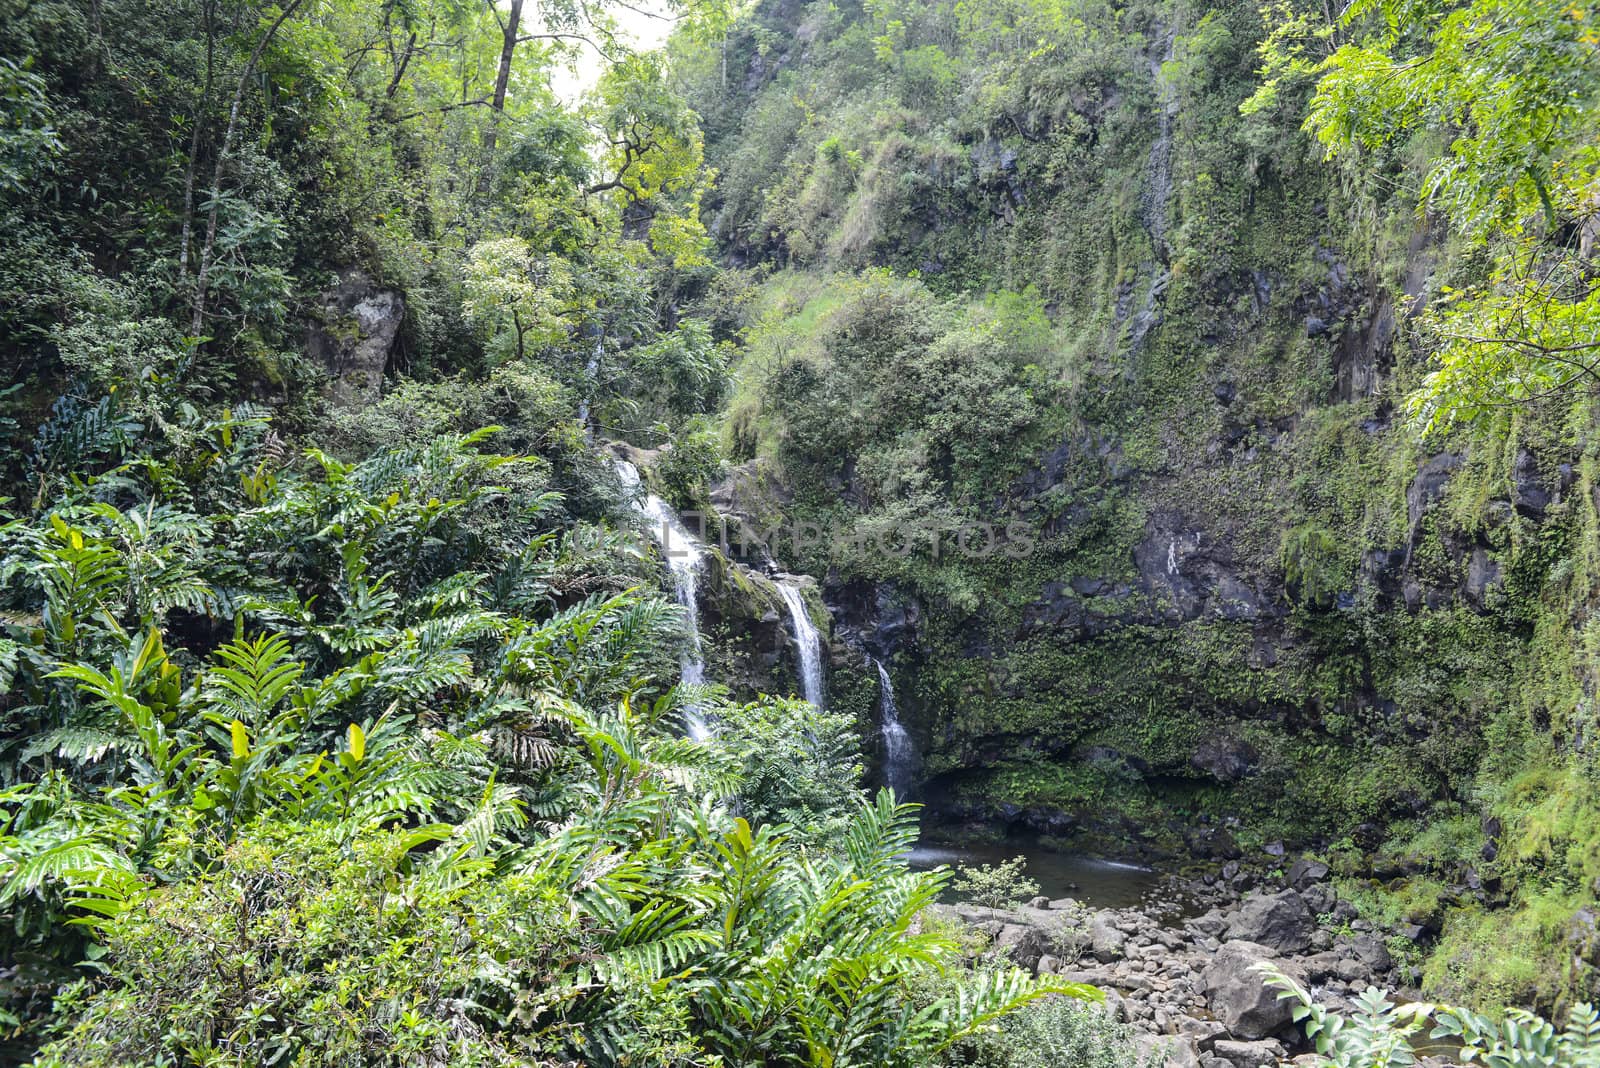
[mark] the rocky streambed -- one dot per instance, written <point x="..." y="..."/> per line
<point x="1180" y="966"/>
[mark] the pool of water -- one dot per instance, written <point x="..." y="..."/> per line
<point x="1098" y="883"/>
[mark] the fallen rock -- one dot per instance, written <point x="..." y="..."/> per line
<point x="1305" y="872"/>
<point x="1224" y="758"/>
<point x="1371" y="951"/>
<point x="1168" y="1051"/>
<point x="1105" y="941"/>
<point x="1024" y="946"/>
<point x="1239" y="995"/>
<point x="1351" y="970"/>
<point x="1320" y="898"/>
<point x="1248" y="1054"/>
<point x="1281" y="921"/>
<point x="352" y="336"/>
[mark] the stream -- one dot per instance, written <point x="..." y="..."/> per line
<point x="1094" y="881"/>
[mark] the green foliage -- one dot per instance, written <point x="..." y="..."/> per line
<point x="1058" y="1032"/>
<point x="1312" y="565"/>
<point x="691" y="463"/>
<point x="998" y="886"/>
<point x="801" y="765"/>
<point x="27" y="139"/>
<point x="369" y="761"/>
<point x="1512" y="82"/>
<point x="1381" y="1034"/>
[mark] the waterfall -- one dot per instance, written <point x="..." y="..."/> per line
<point x="807" y="641"/>
<point x="683" y="553"/>
<point x="591" y="369"/>
<point x="1155" y="205"/>
<point x="898" y="756"/>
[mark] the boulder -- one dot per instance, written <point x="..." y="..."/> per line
<point x="1238" y="994"/>
<point x="1224" y="758"/>
<point x="1583" y="935"/>
<point x="1168" y="1051"/>
<point x="1320" y="898"/>
<point x="1263" y="1054"/>
<point x="352" y="336"/>
<point x="1370" y="950"/>
<point x="1305" y="872"/>
<point x="1281" y="921"/>
<point x="1105" y="941"/>
<point x="1023" y="946"/>
<point x="1352" y="971"/>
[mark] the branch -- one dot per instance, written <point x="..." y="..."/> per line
<point x="444" y="107"/>
<point x="566" y="37"/>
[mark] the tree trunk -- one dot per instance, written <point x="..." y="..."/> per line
<point x="186" y="232"/>
<point x="508" y="48"/>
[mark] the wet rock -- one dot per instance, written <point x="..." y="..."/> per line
<point x="1528" y="493"/>
<point x="1483" y="574"/>
<point x="1281" y="922"/>
<point x="1428" y="484"/>
<point x="1215" y="842"/>
<point x="1238" y="995"/>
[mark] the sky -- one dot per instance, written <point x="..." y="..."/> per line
<point x="644" y="26"/>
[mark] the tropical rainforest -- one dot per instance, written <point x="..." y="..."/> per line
<point x="523" y="523"/>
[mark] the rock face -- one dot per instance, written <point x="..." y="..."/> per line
<point x="1238" y="994"/>
<point x="1281" y="922"/>
<point x="353" y="337"/>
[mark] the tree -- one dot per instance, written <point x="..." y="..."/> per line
<point x="653" y="159"/>
<point x="1516" y="86"/>
<point x="513" y="294"/>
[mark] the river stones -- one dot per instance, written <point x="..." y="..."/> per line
<point x="1106" y="941"/>
<point x="1263" y="1054"/>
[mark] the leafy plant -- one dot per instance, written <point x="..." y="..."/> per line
<point x="998" y="886"/>
<point x="1382" y="1034"/>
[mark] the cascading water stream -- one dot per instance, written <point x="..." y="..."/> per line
<point x="590" y="370"/>
<point x="807" y="641"/>
<point x="683" y="553"/>
<point x="898" y="755"/>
